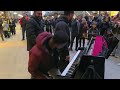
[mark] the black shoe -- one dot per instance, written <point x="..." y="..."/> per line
<point x="23" y="39"/>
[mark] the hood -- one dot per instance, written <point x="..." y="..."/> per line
<point x="62" y="18"/>
<point x="42" y="38"/>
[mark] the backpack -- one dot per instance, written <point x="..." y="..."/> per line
<point x="100" y="46"/>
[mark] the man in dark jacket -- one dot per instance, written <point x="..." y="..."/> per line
<point x="35" y="26"/>
<point x="54" y="21"/>
<point x="48" y="25"/>
<point x="63" y="24"/>
<point x="74" y="34"/>
<point x="104" y="26"/>
<point x="23" y="25"/>
<point x="43" y="57"/>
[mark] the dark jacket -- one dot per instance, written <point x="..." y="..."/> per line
<point x="41" y="58"/>
<point x="48" y="24"/>
<point x="33" y="28"/>
<point x="104" y="26"/>
<point x="1" y="22"/>
<point x="54" y="22"/>
<point x="83" y="31"/>
<point x="12" y="25"/>
<point x="62" y="24"/>
<point x="24" y="22"/>
<point x="74" y="26"/>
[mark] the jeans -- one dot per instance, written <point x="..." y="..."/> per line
<point x="23" y="33"/>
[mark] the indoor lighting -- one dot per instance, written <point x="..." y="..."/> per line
<point x="20" y="15"/>
<point x="2" y="12"/>
<point x="14" y="13"/>
<point x="88" y="12"/>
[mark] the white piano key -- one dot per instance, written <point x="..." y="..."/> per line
<point x="70" y="64"/>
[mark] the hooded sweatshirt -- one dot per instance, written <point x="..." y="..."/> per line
<point x="41" y="57"/>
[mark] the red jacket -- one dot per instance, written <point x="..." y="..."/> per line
<point x="27" y="18"/>
<point x="20" y="21"/>
<point x="39" y="56"/>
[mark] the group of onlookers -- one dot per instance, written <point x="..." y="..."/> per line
<point x="7" y="27"/>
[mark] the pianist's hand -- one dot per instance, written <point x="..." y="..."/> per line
<point x="67" y="58"/>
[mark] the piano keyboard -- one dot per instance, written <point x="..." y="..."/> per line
<point x="91" y="49"/>
<point x="69" y="70"/>
<point x="71" y="66"/>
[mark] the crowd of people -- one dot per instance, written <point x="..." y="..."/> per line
<point x="49" y="40"/>
<point x="7" y="27"/>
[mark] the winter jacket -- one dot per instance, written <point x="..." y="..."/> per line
<point x="62" y="24"/>
<point x="42" y="58"/>
<point x="74" y="26"/>
<point x="33" y="28"/>
<point x="5" y="26"/>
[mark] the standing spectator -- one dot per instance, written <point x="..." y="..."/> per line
<point x="63" y="24"/>
<point x="75" y="27"/>
<point x="6" y="29"/>
<point x="105" y="25"/>
<point x="34" y="27"/>
<point x="54" y="21"/>
<point x="90" y="21"/>
<point x="12" y="26"/>
<point x="93" y="31"/>
<point x="23" y="25"/>
<point x="1" y="30"/>
<point x="83" y="32"/>
<point x="48" y="25"/>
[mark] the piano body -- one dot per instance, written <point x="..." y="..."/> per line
<point x="75" y="68"/>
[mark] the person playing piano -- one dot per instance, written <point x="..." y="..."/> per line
<point x="43" y="57"/>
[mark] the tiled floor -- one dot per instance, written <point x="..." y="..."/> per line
<point x="14" y="60"/>
<point x="14" y="57"/>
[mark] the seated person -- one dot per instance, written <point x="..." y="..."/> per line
<point x="43" y="57"/>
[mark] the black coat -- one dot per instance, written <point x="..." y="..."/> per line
<point x="74" y="26"/>
<point x="104" y="26"/>
<point x="48" y="24"/>
<point x="62" y="24"/>
<point x="33" y="28"/>
<point x="12" y="25"/>
<point x="54" y="22"/>
<point x="24" y="22"/>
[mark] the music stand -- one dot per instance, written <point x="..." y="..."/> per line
<point x="111" y="47"/>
